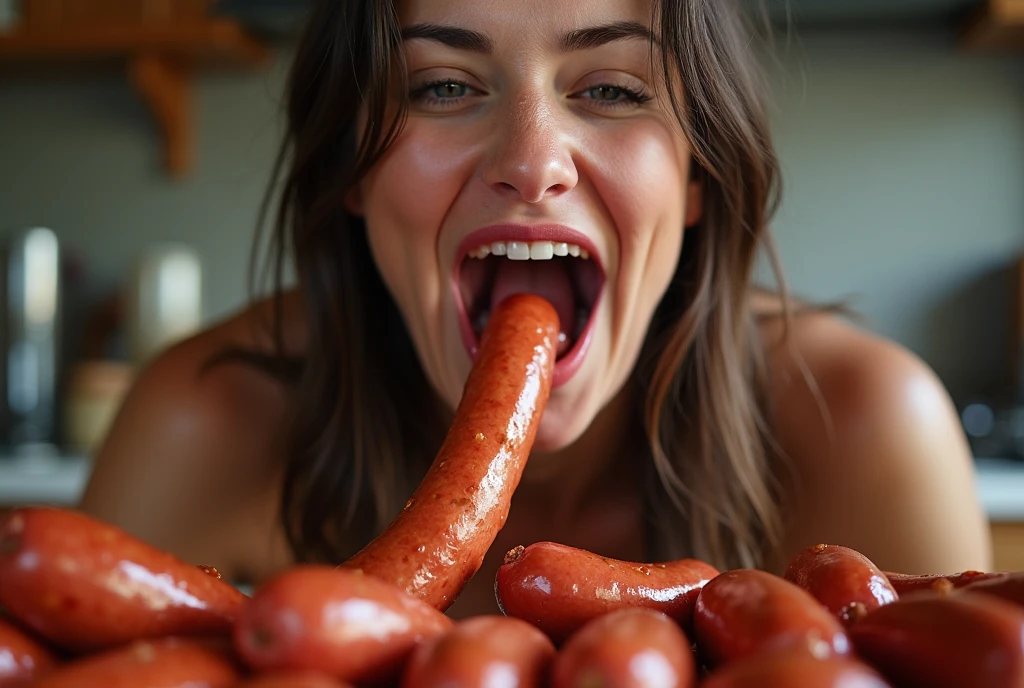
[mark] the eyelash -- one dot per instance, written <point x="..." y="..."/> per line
<point x="420" y="94"/>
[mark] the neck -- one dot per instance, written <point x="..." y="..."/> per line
<point x="565" y="479"/>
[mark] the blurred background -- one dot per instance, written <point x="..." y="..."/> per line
<point x="137" y="138"/>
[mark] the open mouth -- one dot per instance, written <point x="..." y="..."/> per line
<point x="563" y="273"/>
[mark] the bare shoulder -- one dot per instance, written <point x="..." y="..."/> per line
<point x="876" y="455"/>
<point x="191" y="461"/>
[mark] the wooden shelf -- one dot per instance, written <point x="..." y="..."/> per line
<point x="161" y="60"/>
<point x="214" y="40"/>
<point x="998" y="26"/>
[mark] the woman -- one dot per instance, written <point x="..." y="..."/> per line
<point x="613" y="156"/>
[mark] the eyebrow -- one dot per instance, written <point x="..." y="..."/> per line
<point x="578" y="39"/>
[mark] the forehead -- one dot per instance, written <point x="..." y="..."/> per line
<point x="507" y="21"/>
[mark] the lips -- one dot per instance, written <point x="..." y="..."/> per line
<point x="553" y="261"/>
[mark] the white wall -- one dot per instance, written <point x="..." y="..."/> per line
<point x="904" y="166"/>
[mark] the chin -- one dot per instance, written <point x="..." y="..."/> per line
<point x="561" y="425"/>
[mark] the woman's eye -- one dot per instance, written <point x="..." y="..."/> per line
<point x="449" y="89"/>
<point x="441" y="92"/>
<point x="606" y="93"/>
<point x="615" y="95"/>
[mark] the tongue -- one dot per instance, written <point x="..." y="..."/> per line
<point x="548" y="279"/>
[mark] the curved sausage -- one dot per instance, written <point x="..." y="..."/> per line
<point x="906" y="583"/>
<point x="339" y="622"/>
<point x="292" y="679"/>
<point x="1010" y="587"/>
<point x="941" y="641"/>
<point x="22" y="659"/>
<point x="560" y="588"/>
<point x="627" y="648"/>
<point x="438" y="542"/>
<point x="85" y="585"/>
<point x="210" y="571"/>
<point x="486" y="651"/>
<point x="795" y="670"/>
<point x="844" y="580"/>
<point x="163" y="663"/>
<point x="745" y="612"/>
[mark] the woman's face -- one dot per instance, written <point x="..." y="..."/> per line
<point x="539" y="155"/>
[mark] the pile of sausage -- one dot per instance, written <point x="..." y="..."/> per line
<point x="85" y="604"/>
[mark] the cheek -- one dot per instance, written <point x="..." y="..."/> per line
<point x="405" y="199"/>
<point x="643" y="185"/>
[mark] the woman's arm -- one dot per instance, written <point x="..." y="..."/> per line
<point x="188" y="464"/>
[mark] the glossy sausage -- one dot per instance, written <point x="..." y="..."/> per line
<point x="560" y="588"/>
<point x="942" y="641"/>
<point x="163" y="663"/>
<point x="486" y="651"/>
<point x="438" y="542"/>
<point x="844" y="580"/>
<point x="210" y="571"/>
<point x="339" y="622"/>
<point x="1010" y="587"/>
<point x="22" y="659"/>
<point x="795" y="670"/>
<point x="745" y="612"/>
<point x="292" y="679"/>
<point x="86" y="585"/>
<point x="906" y="583"/>
<point x="628" y="648"/>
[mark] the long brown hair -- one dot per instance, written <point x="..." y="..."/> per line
<point x="365" y="423"/>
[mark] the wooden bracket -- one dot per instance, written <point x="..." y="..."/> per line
<point x="996" y="26"/>
<point x="162" y="57"/>
<point x="165" y="84"/>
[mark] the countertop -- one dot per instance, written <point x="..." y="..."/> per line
<point x="60" y="479"/>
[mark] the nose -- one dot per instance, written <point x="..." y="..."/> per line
<point x="532" y="156"/>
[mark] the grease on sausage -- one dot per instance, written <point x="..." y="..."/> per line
<point x="844" y="580"/>
<point x="343" y="623"/>
<point x="627" y="648"/>
<point x="438" y="542"/>
<point x="795" y="670"/>
<point x="85" y="585"/>
<point x="746" y="612"/>
<point x="945" y="641"/>
<point x="22" y="658"/>
<point x="486" y="651"/>
<point x="907" y="583"/>
<point x="559" y="588"/>
<point x="165" y="662"/>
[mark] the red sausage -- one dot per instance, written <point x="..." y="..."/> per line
<point x="22" y="659"/>
<point x="627" y="648"/>
<point x="745" y="612"/>
<point x="338" y="622"/>
<point x="292" y="679"/>
<point x="162" y="663"/>
<point x="210" y="571"/>
<point x="486" y="651"/>
<point x="86" y="585"/>
<point x="842" y="579"/>
<point x="795" y="670"/>
<point x="906" y="583"/>
<point x="1010" y="587"/>
<point x="438" y="542"/>
<point x="560" y="588"/>
<point x="943" y="641"/>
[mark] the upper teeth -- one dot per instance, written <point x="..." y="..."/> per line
<point x="535" y="250"/>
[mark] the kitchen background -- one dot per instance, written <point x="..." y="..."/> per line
<point x="900" y="126"/>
